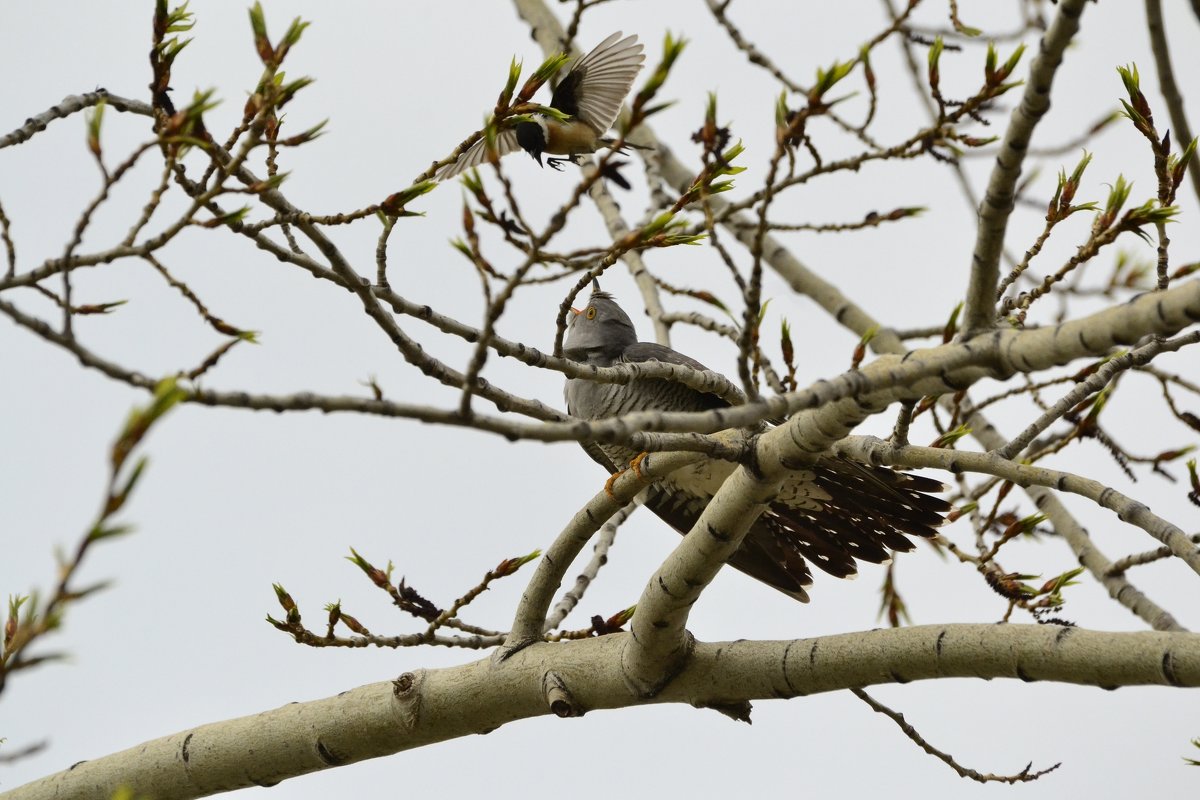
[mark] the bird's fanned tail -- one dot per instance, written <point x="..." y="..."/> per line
<point x="870" y="512"/>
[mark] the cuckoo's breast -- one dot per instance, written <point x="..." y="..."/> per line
<point x="591" y="400"/>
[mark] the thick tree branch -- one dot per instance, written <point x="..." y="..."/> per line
<point x="979" y="312"/>
<point x="660" y="643"/>
<point x="809" y="433"/>
<point x="1119" y="588"/>
<point x="428" y="706"/>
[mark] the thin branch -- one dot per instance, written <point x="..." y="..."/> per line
<point x="919" y="89"/>
<point x="72" y="104"/>
<point x="10" y="250"/>
<point x="13" y="756"/>
<point x="1126" y="508"/>
<point x="1121" y="565"/>
<point x="1064" y="523"/>
<point x="963" y="772"/>
<point x="1094" y="383"/>
<point x="570" y="598"/>
<point x="1170" y="89"/>
<point x="801" y="279"/>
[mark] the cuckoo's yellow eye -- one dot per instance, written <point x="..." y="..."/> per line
<point x="591" y="312"/>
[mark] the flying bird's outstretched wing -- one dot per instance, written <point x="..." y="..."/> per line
<point x="477" y="155"/>
<point x="597" y="83"/>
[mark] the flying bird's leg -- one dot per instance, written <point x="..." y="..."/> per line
<point x="556" y="163"/>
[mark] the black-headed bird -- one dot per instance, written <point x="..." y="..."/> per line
<point x="591" y="95"/>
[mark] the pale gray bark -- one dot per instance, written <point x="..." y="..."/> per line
<point x="569" y="679"/>
<point x="979" y="312"/>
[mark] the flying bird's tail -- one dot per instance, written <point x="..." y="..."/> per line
<point x="609" y="141"/>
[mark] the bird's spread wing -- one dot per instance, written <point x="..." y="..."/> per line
<point x="477" y="154"/>
<point x="597" y="84"/>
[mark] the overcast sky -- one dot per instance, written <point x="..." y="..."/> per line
<point x="235" y="500"/>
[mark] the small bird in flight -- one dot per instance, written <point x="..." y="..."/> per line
<point x="831" y="514"/>
<point x="591" y="94"/>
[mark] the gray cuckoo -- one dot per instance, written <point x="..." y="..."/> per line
<point x="831" y="514"/>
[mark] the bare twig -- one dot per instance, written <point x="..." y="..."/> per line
<point x="1170" y="89"/>
<point x="963" y="772"/>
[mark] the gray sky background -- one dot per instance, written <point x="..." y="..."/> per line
<point x="235" y="500"/>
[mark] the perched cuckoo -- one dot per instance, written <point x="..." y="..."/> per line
<point x="832" y="514"/>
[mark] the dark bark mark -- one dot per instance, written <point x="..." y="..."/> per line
<point x="328" y="756"/>
<point x="1168" y="669"/>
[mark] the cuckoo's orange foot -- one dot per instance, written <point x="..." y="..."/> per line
<point x="636" y="464"/>
<point x="608" y="484"/>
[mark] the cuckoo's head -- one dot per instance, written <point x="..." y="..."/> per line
<point x="600" y="331"/>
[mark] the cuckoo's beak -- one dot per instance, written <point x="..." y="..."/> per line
<point x="576" y="311"/>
